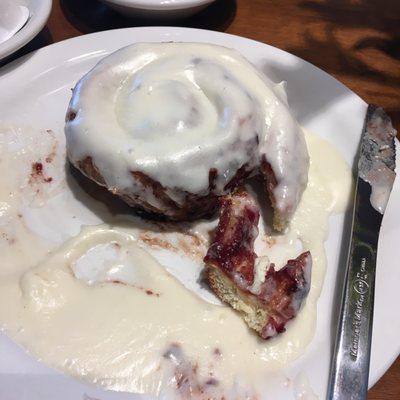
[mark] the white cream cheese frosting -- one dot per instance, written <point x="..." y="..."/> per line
<point x="175" y="111"/>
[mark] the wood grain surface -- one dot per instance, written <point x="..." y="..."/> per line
<point x="356" y="41"/>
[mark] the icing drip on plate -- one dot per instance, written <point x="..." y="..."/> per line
<point x="67" y="304"/>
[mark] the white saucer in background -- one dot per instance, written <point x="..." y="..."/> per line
<point x="39" y="11"/>
<point x="161" y="9"/>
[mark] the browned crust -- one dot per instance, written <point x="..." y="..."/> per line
<point x="88" y="168"/>
<point x="279" y="222"/>
<point x="253" y="312"/>
<point x="193" y="206"/>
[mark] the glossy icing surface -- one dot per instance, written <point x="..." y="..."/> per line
<point x="175" y="111"/>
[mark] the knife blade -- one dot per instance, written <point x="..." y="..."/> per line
<point x="349" y="371"/>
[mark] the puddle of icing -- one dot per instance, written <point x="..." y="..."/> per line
<point x="302" y="389"/>
<point x="77" y="316"/>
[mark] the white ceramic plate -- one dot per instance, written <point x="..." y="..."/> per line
<point x="163" y="9"/>
<point x="39" y="13"/>
<point x="35" y="91"/>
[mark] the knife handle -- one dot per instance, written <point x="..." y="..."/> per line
<point x="350" y="365"/>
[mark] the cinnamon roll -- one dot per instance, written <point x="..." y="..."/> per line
<point x="171" y="127"/>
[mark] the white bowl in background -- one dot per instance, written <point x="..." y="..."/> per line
<point x="161" y="9"/>
<point x="39" y="12"/>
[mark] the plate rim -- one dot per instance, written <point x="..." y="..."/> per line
<point x="12" y="67"/>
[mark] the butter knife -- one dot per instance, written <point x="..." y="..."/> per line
<point x="349" y="371"/>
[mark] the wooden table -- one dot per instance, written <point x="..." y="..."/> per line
<point x="357" y="41"/>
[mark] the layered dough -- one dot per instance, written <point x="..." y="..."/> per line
<point x="170" y="127"/>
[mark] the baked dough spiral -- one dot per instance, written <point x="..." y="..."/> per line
<point x="170" y="127"/>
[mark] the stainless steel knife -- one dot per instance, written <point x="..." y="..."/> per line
<point x="376" y="173"/>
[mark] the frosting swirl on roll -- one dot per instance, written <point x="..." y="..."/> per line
<point x="188" y="116"/>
